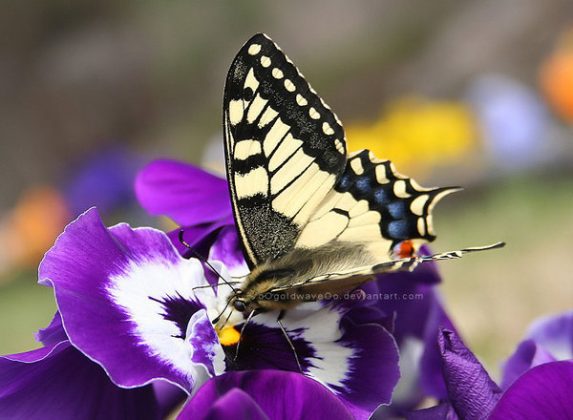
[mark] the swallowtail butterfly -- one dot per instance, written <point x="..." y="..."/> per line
<point x="311" y="218"/>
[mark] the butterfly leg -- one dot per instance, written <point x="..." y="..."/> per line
<point x="284" y="331"/>
<point x="241" y="335"/>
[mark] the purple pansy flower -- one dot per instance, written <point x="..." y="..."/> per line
<point x="417" y="311"/>
<point x="541" y="392"/>
<point x="130" y="303"/>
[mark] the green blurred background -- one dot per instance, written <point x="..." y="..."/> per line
<point x="478" y="94"/>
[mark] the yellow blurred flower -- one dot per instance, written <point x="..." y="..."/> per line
<point x="416" y="133"/>
<point x="556" y="77"/>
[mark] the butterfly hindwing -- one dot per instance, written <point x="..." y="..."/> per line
<point x="374" y="206"/>
<point x="285" y="149"/>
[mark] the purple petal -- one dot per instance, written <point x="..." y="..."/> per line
<point x="235" y="404"/>
<point x="168" y="397"/>
<point x="357" y="362"/>
<point x="419" y="314"/>
<point x="527" y="355"/>
<point x="555" y="335"/>
<point x="126" y="298"/>
<point x="61" y="383"/>
<point x="279" y="395"/>
<point x="443" y="411"/>
<point x="187" y="194"/>
<point x="53" y="333"/>
<point x="471" y="391"/>
<point x="228" y="249"/>
<point x="544" y="392"/>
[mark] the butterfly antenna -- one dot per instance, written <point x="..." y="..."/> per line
<point x="241" y="334"/>
<point x="203" y="259"/>
<point x="218" y="317"/>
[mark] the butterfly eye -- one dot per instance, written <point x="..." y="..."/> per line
<point x="240" y="305"/>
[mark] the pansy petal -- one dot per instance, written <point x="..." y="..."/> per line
<point x="471" y="391"/>
<point x="544" y="392"/>
<point x="419" y="314"/>
<point x="228" y="249"/>
<point x="554" y="334"/>
<point x="168" y="397"/>
<point x="235" y="404"/>
<point x="126" y="298"/>
<point x="443" y="411"/>
<point x="279" y="395"/>
<point x="53" y="333"/>
<point x="527" y="355"/>
<point x="185" y="193"/>
<point x="357" y="362"/>
<point x="59" y="382"/>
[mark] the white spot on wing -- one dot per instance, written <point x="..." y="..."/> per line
<point x="277" y="73"/>
<point x="400" y="189"/>
<point x="313" y="113"/>
<point x="356" y="165"/>
<point x="301" y="100"/>
<point x="265" y="61"/>
<point x="417" y="205"/>
<point x="289" y="85"/>
<point x="327" y="129"/>
<point x="254" y="49"/>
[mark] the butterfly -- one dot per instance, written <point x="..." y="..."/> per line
<point x="311" y="218"/>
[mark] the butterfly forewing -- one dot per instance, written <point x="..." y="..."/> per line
<point x="285" y="149"/>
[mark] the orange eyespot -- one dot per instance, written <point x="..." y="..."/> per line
<point x="404" y="249"/>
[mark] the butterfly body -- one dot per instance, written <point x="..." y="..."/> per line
<point x="312" y="219"/>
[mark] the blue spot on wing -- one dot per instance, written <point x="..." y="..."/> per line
<point x="397" y="209"/>
<point x="364" y="185"/>
<point x="398" y="229"/>
<point x="380" y="196"/>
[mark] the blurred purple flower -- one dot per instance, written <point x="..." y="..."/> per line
<point x="549" y="339"/>
<point x="512" y="119"/>
<point x="104" y="179"/>
<point x="541" y="392"/>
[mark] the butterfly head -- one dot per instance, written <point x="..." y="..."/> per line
<point x="258" y="292"/>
